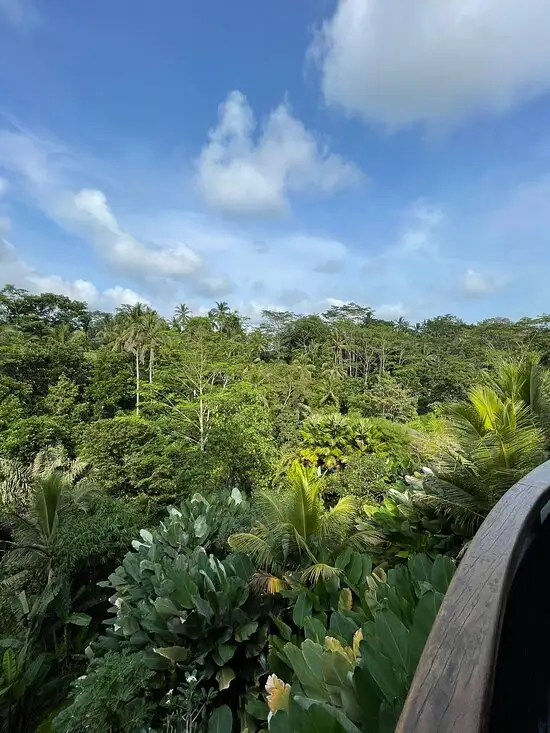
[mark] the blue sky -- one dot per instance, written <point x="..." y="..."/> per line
<point x="278" y="155"/>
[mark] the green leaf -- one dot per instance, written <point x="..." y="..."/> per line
<point x="203" y="607"/>
<point x="314" y="630"/>
<point x="284" y="630"/>
<point x="173" y="653"/>
<point x="201" y="527"/>
<point x="155" y="661"/>
<point x="324" y="718"/>
<point x="224" y="653"/>
<point x="442" y="573"/>
<point x="225" y="677"/>
<point x="302" y="609"/>
<point x="165" y="607"/>
<point x="424" y="617"/>
<point x="421" y="568"/>
<point x="9" y="666"/>
<point x="79" y="619"/>
<point x="342" y="626"/>
<point x="309" y="671"/>
<point x="221" y="720"/>
<point x="388" y="680"/>
<point x="369" y="695"/>
<point x="394" y="638"/>
<point x="354" y="571"/>
<point x="245" y="632"/>
<point x="256" y="708"/>
<point x="343" y="559"/>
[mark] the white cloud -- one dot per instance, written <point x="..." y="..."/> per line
<point x="4" y="185"/>
<point x="126" y="296"/>
<point x="121" y="248"/>
<point x="476" y="285"/>
<point x="390" y="311"/>
<point x="241" y="173"/>
<point x="17" y="272"/>
<point x="400" y="63"/>
<point x="50" y="171"/>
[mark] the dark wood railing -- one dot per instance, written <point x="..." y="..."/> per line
<point x="486" y="665"/>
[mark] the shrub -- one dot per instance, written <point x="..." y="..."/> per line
<point x="353" y="670"/>
<point x="187" y="614"/>
<point x="365" y="476"/>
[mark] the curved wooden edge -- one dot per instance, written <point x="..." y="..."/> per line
<point x="452" y="689"/>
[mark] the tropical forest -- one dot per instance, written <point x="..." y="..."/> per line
<point x="216" y="525"/>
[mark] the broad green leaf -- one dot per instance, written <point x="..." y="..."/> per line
<point x="420" y="567"/>
<point x="308" y="671"/>
<point x="284" y="630"/>
<point x="343" y="559"/>
<point x="314" y="629"/>
<point x="387" y="678"/>
<point x="302" y="609"/>
<point x="165" y="607"/>
<point x="324" y="718"/>
<point x="155" y="661"/>
<point x="203" y="607"/>
<point x="223" y="653"/>
<point x="424" y="617"/>
<point x="394" y="637"/>
<point x="200" y="527"/>
<point x="354" y="571"/>
<point x="442" y="573"/>
<point x="79" y="619"/>
<point x="337" y="669"/>
<point x="221" y="720"/>
<point x="225" y="677"/>
<point x="173" y="653"/>
<point x="9" y="666"/>
<point x="245" y="632"/>
<point x="342" y="626"/>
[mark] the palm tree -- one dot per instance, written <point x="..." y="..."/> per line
<point x="498" y="441"/>
<point x="525" y="380"/>
<point x="297" y="537"/>
<point x="35" y="529"/>
<point x="131" y="336"/>
<point x="181" y="316"/>
<point x="219" y="315"/>
<point x="154" y="329"/>
<point x="17" y="479"/>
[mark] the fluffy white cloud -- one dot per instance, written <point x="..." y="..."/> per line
<point x="17" y="272"/>
<point x="121" y="248"/>
<point x="476" y="285"/>
<point x="240" y="173"/>
<point x="400" y="63"/>
<point x="49" y="171"/>
<point x="390" y="311"/>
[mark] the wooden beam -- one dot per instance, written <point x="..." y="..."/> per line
<point x="452" y="688"/>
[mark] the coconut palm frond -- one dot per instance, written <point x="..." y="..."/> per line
<point x="261" y="551"/>
<point x="367" y="538"/>
<point x="453" y="502"/>
<point x="266" y="583"/>
<point x="320" y="571"/>
<point x="336" y="523"/>
<point x="303" y="503"/>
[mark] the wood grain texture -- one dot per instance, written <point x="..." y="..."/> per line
<point x="452" y="688"/>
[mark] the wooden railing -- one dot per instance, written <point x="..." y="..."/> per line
<point x="486" y="665"/>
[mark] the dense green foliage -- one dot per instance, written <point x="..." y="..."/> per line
<point x="195" y="507"/>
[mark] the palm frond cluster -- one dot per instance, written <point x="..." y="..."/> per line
<point x="17" y="479"/>
<point x="501" y="434"/>
<point x="298" y="537"/>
